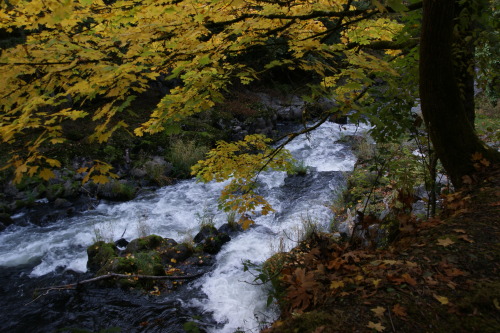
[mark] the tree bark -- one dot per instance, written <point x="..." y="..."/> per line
<point x="463" y="57"/>
<point x="443" y="108"/>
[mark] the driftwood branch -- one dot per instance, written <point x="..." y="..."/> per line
<point x="73" y="286"/>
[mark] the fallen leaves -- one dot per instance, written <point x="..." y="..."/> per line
<point x="466" y="238"/>
<point x="376" y="326"/>
<point x="379" y="311"/>
<point x="376" y="282"/>
<point x="303" y="288"/>
<point x="453" y="272"/>
<point x="340" y="273"/>
<point x="445" y="242"/>
<point x="336" y="284"/>
<point x="408" y="279"/>
<point x="441" y="299"/>
<point x="400" y="311"/>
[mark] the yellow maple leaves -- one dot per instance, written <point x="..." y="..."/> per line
<point x="99" y="173"/>
<point x="241" y="161"/>
<point x="79" y="50"/>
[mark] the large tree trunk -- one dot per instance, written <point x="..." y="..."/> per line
<point x="443" y="108"/>
<point x="463" y="54"/>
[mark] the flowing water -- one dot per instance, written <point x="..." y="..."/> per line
<point x="220" y="301"/>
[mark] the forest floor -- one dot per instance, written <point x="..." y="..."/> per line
<point x="440" y="275"/>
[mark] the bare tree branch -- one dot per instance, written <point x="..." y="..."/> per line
<point x="73" y="286"/>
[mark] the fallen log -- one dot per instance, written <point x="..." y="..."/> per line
<point x="72" y="286"/>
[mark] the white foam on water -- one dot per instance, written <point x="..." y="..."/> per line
<point x="319" y="150"/>
<point x="233" y="296"/>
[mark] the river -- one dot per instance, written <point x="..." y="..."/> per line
<point x="221" y="301"/>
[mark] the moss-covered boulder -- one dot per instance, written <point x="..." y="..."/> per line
<point x="210" y="240"/>
<point x="5" y="219"/>
<point x="150" y="256"/>
<point x="230" y="228"/>
<point x="175" y="254"/>
<point x="100" y="254"/>
<point x="148" y="243"/>
<point x="117" y="190"/>
<point x="214" y="244"/>
<point x="142" y="263"/>
<point x="205" y="232"/>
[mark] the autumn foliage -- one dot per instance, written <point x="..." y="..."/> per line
<point x="89" y="59"/>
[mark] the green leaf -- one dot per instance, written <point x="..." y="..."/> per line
<point x="379" y="6"/>
<point x="174" y="128"/>
<point x="270" y="299"/>
<point x="205" y="60"/>
<point x="397" y="5"/>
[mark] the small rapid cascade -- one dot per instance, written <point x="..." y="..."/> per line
<point x="29" y="255"/>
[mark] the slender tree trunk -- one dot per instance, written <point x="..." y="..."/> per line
<point x="443" y="108"/>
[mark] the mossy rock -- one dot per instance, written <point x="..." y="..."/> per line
<point x="54" y="191"/>
<point x="120" y="265"/>
<point x="100" y="254"/>
<point x="116" y="191"/>
<point x="175" y="254"/>
<point x="5" y="219"/>
<point x="205" y="232"/>
<point x="148" y="243"/>
<point x="142" y="263"/>
<point x="214" y="244"/>
<point x="210" y="239"/>
<point x="4" y="208"/>
<point x="230" y="228"/>
<point x="149" y="263"/>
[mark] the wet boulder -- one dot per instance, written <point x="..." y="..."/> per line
<point x="177" y="253"/>
<point x="230" y="228"/>
<point x="121" y="243"/>
<point x="200" y="260"/>
<point x="62" y="203"/>
<point x="205" y="232"/>
<point x="148" y="243"/>
<point x="100" y="254"/>
<point x="214" y="244"/>
<point x="117" y="190"/>
<point x="210" y="239"/>
<point x="151" y="256"/>
<point x="142" y="263"/>
<point x="5" y="219"/>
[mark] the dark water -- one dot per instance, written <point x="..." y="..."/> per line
<point x="91" y="308"/>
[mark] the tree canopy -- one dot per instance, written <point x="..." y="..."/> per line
<point x="64" y="60"/>
<point x="65" y="54"/>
